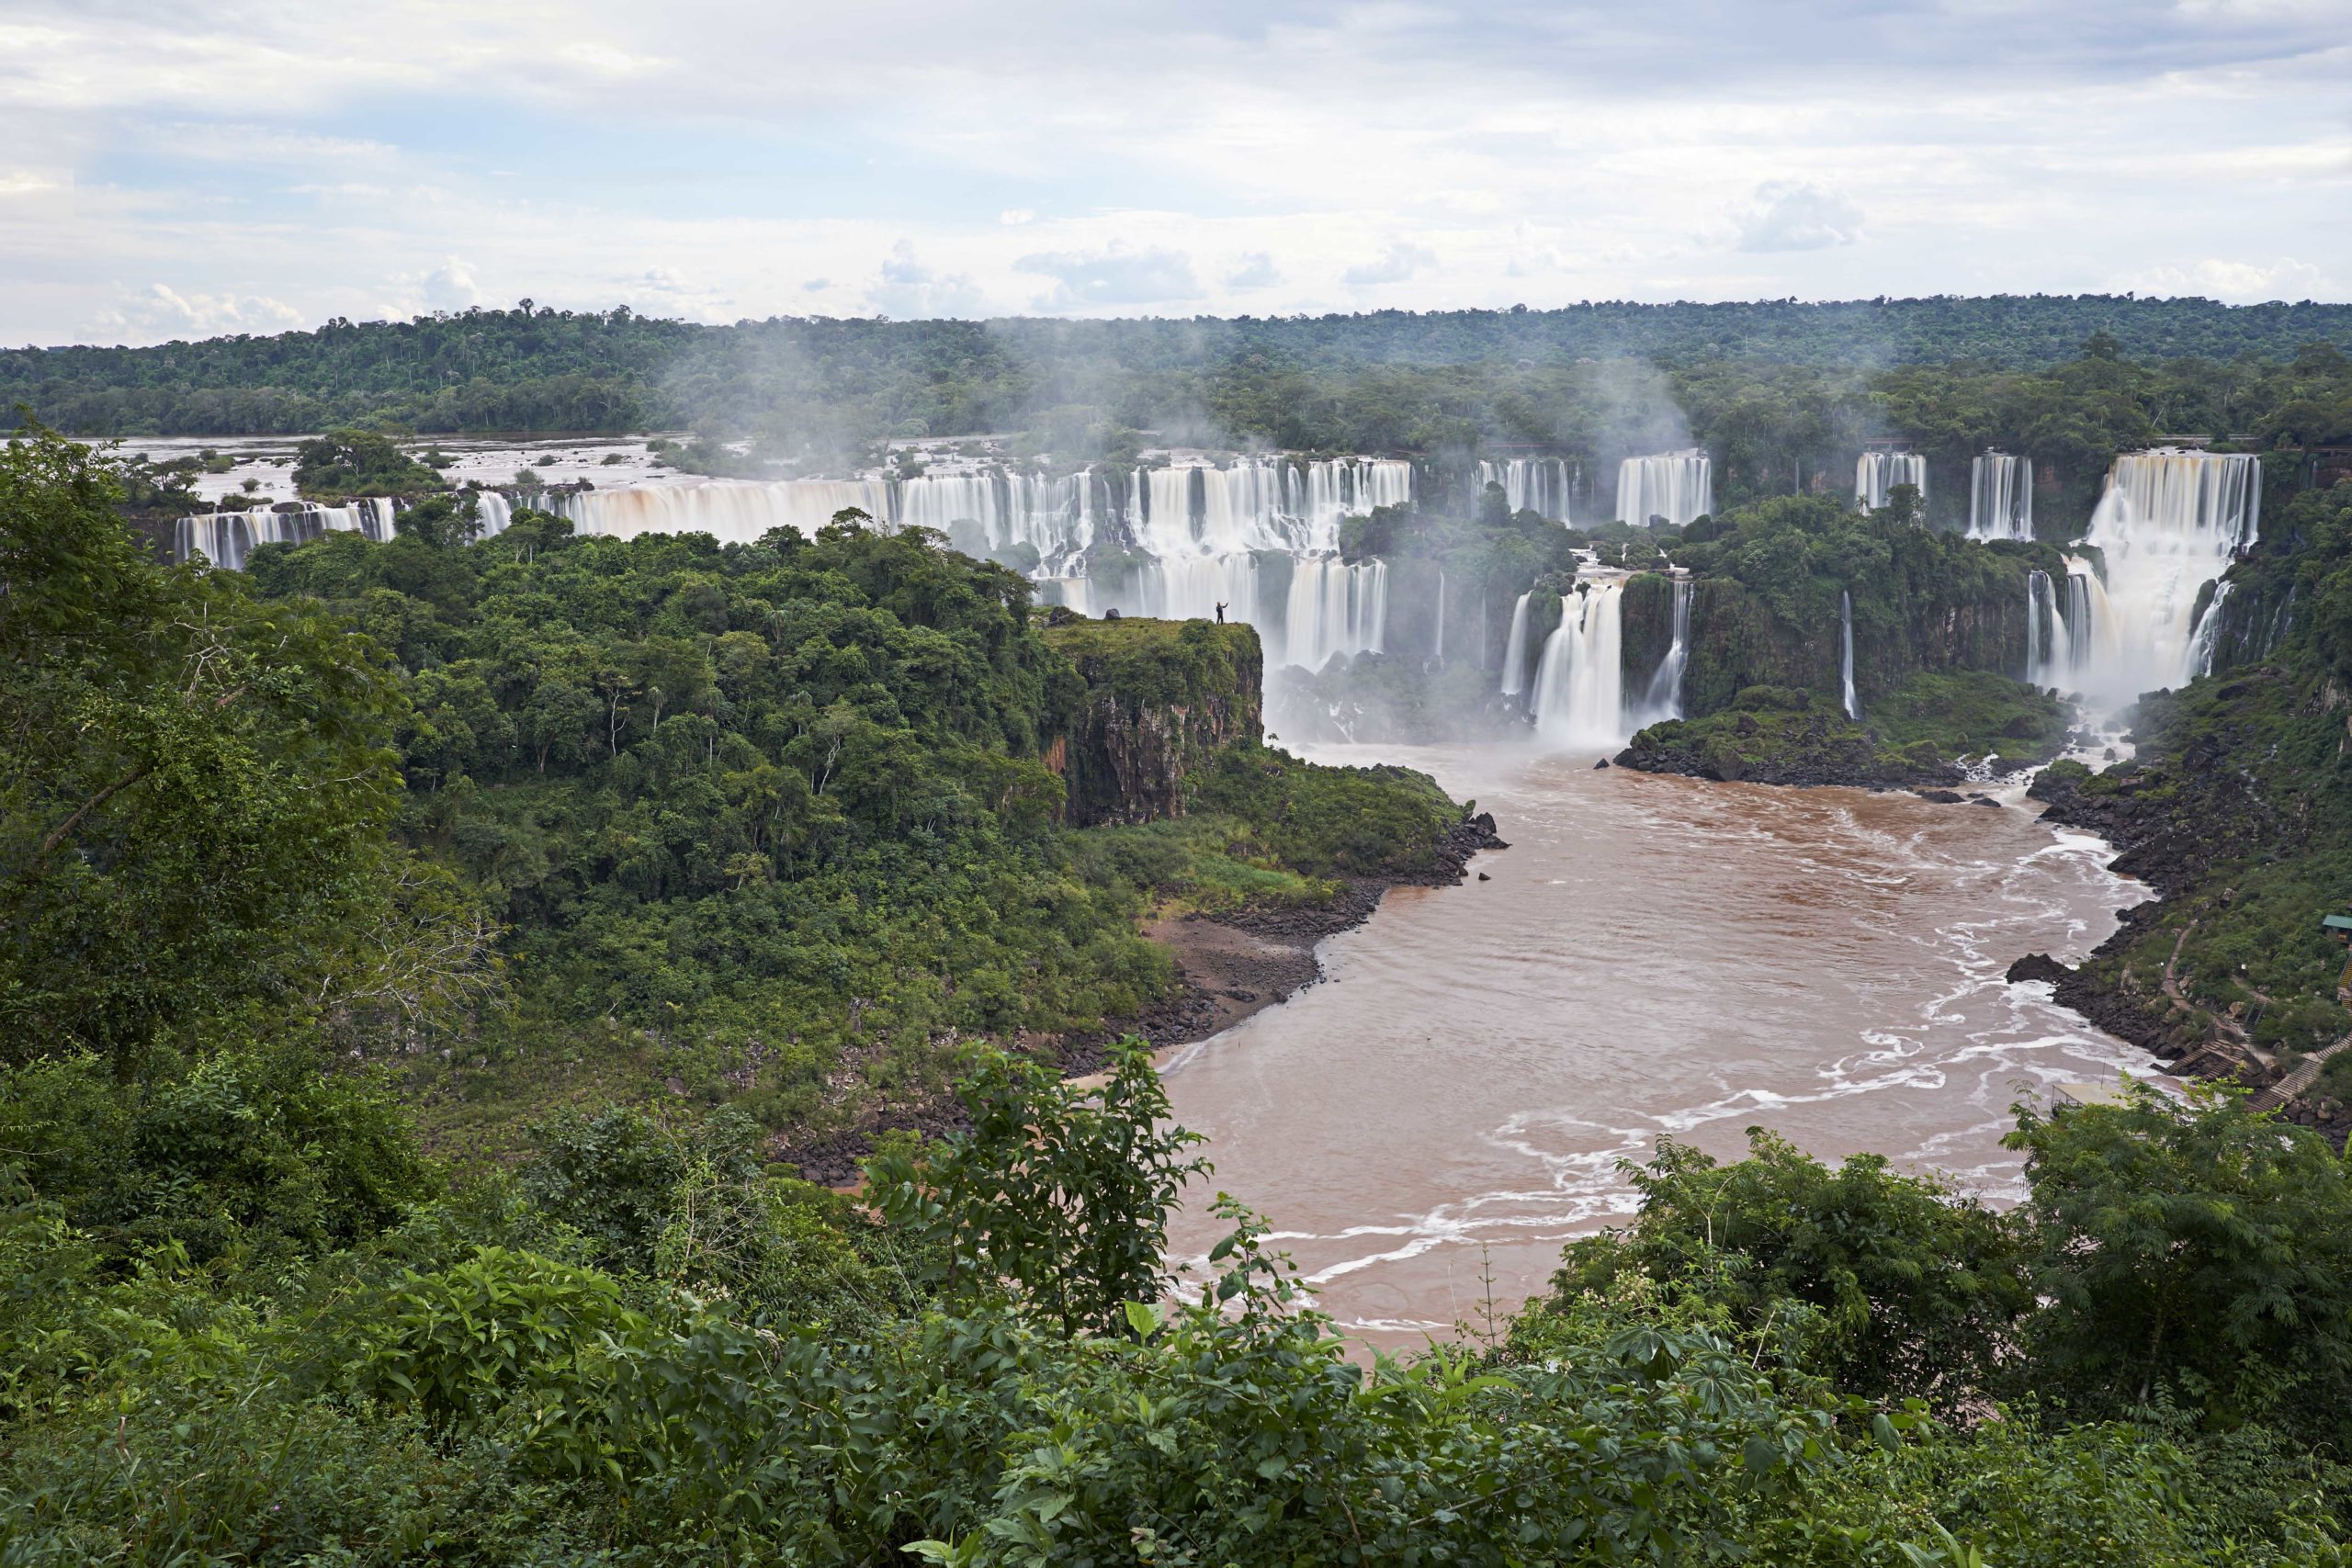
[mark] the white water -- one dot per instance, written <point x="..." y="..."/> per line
<point x="1580" y="682"/>
<point x="228" y="539"/>
<point x="1515" y="649"/>
<point x="493" y="511"/>
<point x="2000" y="496"/>
<point x="1845" y="645"/>
<point x="1677" y="486"/>
<point x="734" y="512"/>
<point x="1663" y="700"/>
<point x="2048" y="647"/>
<point x="1876" y="473"/>
<point x="2209" y="632"/>
<point x="1334" y="608"/>
<point x="1541" y="485"/>
<point x="2168" y="523"/>
<point x="1440" y="654"/>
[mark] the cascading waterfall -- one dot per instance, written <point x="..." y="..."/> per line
<point x="1677" y="486"/>
<point x="2049" y="650"/>
<point x="734" y="512"/>
<point x="1877" y="473"/>
<point x="492" y="512"/>
<point x="1580" y="682"/>
<point x="1334" y="608"/>
<point x="1540" y="485"/>
<point x="2169" y="522"/>
<point x="227" y="539"/>
<point x="2203" y="646"/>
<point x="1440" y="654"/>
<point x="2000" y="496"/>
<point x="1515" y="649"/>
<point x="1846" y="645"/>
<point x="1663" y="700"/>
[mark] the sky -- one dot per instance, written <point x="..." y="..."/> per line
<point x="198" y="168"/>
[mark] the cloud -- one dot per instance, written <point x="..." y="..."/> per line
<point x="1116" y="276"/>
<point x="911" y="291"/>
<point x="1798" y="217"/>
<point x="450" y="287"/>
<point x="23" y="182"/>
<point x="159" y="311"/>
<point x="1013" y="217"/>
<point x="816" y="286"/>
<point x="1400" y="262"/>
<point x="1256" y="271"/>
<point x="2236" y="282"/>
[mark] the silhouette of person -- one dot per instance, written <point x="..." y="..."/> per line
<point x="1220" y="614"/>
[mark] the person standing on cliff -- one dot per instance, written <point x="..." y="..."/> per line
<point x="1220" y="614"/>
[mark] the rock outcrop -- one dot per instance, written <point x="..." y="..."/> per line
<point x="1161" y="699"/>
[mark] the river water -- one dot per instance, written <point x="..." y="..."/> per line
<point x="1653" y="957"/>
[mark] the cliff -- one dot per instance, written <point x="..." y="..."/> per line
<point x="1162" y="699"/>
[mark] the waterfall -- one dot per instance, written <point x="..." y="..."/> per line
<point x="2000" y="496"/>
<point x="1663" y="700"/>
<point x="1876" y="473"/>
<point x="2048" y="647"/>
<point x="1515" y="649"/>
<point x="1846" y="643"/>
<point x="492" y="513"/>
<point x="1540" y="485"/>
<point x="731" y="510"/>
<point x="2168" y="523"/>
<point x="1580" y="684"/>
<point x="2207" y="640"/>
<point x="227" y="539"/>
<point x="1334" y="608"/>
<point x="1441" y="616"/>
<point x="1677" y="486"/>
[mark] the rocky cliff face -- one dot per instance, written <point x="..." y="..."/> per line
<point x="1736" y="641"/>
<point x="1161" y="699"/>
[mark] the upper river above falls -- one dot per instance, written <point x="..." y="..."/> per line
<point x="1654" y="957"/>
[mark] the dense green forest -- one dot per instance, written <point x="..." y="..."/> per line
<point x="251" y="1320"/>
<point x="1762" y="381"/>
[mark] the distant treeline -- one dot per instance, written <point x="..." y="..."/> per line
<point x="1388" y="380"/>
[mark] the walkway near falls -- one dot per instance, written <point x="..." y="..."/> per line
<point x="2305" y="1074"/>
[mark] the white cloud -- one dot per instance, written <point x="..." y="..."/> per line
<point x="450" y="287"/>
<point x="160" y="311"/>
<point x="1255" y="270"/>
<point x="909" y="290"/>
<point x="1398" y="263"/>
<point x="2236" y="282"/>
<point x="1798" y="217"/>
<point x="1013" y="217"/>
<point x="1114" y="276"/>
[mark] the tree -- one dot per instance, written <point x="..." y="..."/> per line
<point x="2197" y="1248"/>
<point x="1057" y="1194"/>
<point x="194" y="789"/>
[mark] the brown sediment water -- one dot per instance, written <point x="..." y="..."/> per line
<point x="1653" y="957"/>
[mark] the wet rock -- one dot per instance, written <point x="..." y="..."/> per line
<point x="1984" y="800"/>
<point x="2037" y="966"/>
<point x="1483" y="877"/>
<point x="1940" y="797"/>
<point x="1602" y="763"/>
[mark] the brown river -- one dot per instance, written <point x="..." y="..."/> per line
<point x="1653" y="957"/>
